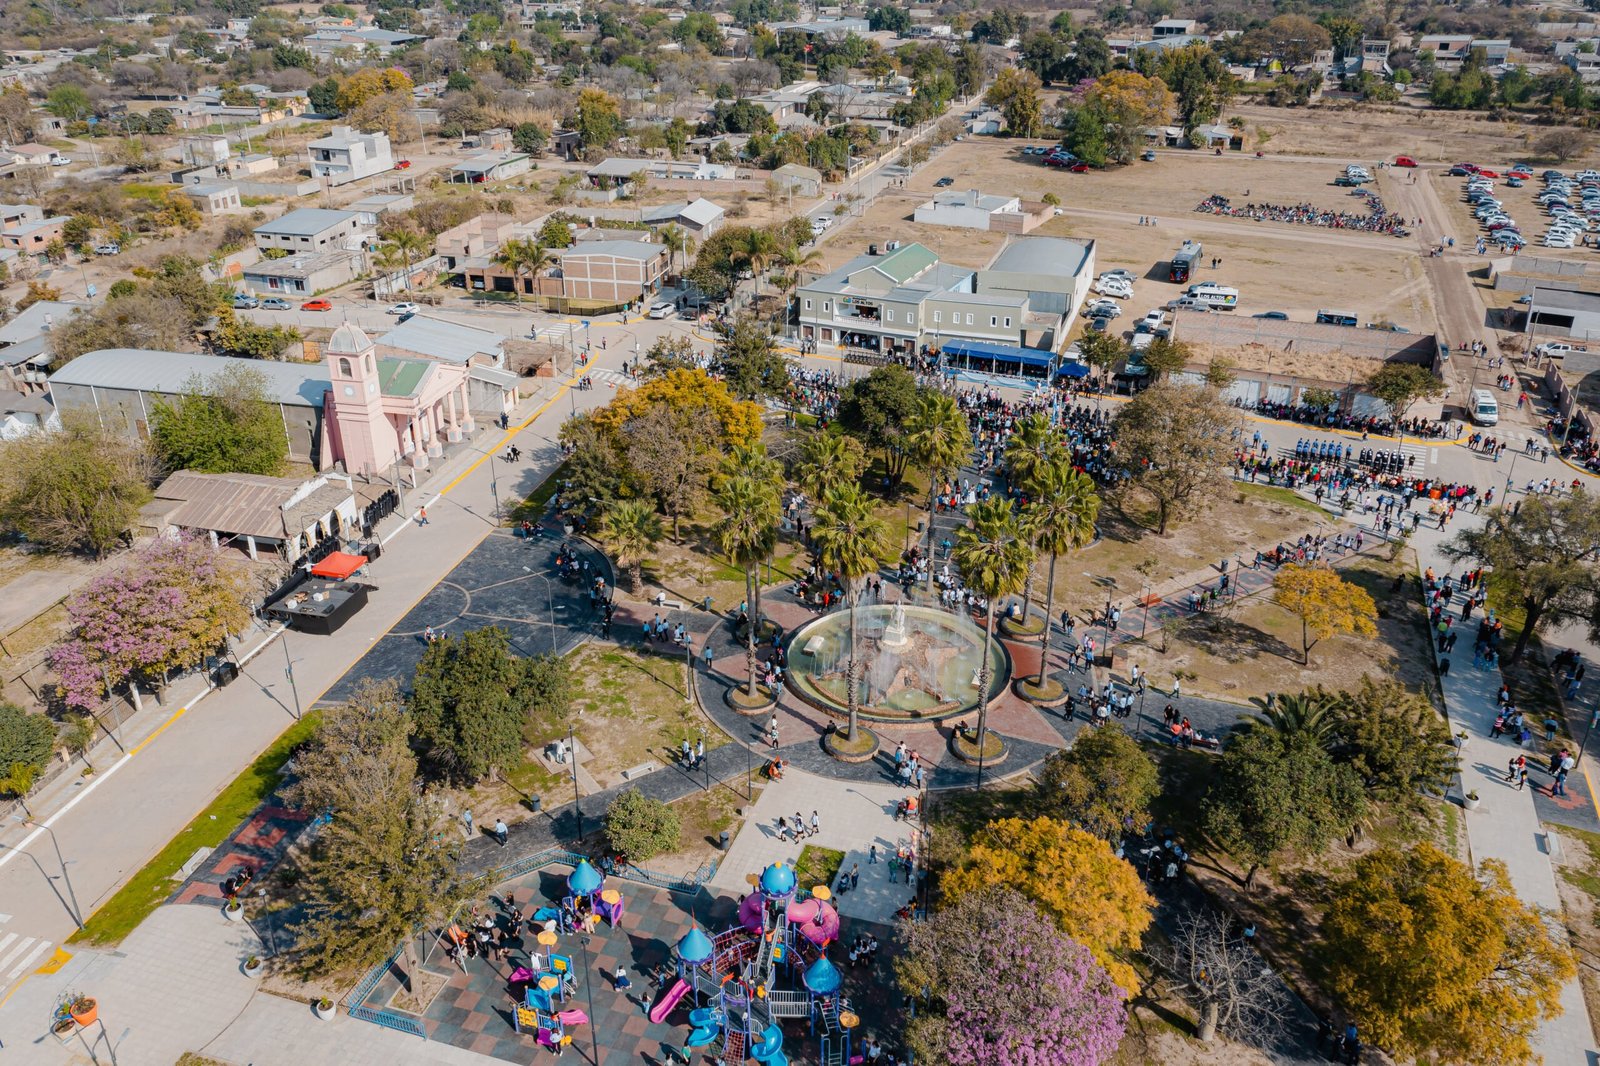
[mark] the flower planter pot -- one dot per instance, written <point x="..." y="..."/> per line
<point x="234" y="912"/>
<point x="85" y="1013"/>
<point x="325" y="1013"/>
<point x="1471" y="803"/>
<point x="252" y="971"/>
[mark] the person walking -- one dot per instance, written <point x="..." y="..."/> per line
<point x="621" y="980"/>
<point x="422" y="516"/>
<point x="466" y="820"/>
<point x="816" y="824"/>
<point x="501" y="831"/>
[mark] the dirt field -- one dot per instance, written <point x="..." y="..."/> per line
<point x="1374" y="133"/>
<point x="1297" y="269"/>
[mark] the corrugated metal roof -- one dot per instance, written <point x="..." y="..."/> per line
<point x="227" y="503"/>
<point x="305" y="222"/>
<point x="618" y="249"/>
<point x="438" y="339"/>
<point x="1051" y="256"/>
<point x="144" y="370"/>
<point x="906" y="262"/>
<point x="30" y="322"/>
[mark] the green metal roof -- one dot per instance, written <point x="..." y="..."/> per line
<point x="400" y="377"/>
<point x="907" y="262"/>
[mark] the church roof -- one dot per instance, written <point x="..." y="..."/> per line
<point x="401" y="377"/>
<point x="349" y="339"/>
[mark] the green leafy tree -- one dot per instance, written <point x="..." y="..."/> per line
<point x="222" y="424"/>
<point x="1402" y="385"/>
<point x="1276" y="796"/>
<point x="555" y="233"/>
<point x="676" y="240"/>
<point x="633" y="529"/>
<point x="24" y="738"/>
<point x="1103" y="783"/>
<point x="640" y="828"/>
<point x="875" y="408"/>
<point x="849" y="540"/>
<point x="1395" y="741"/>
<point x="78" y="490"/>
<point x="1174" y="442"/>
<point x="1544" y="556"/>
<point x="471" y="701"/>
<point x="1438" y="963"/>
<point x="1016" y="93"/>
<point x="18" y="781"/>
<point x="521" y="256"/>
<point x="385" y="863"/>
<point x="994" y="556"/>
<point x="1200" y="81"/>
<point x="752" y="367"/>
<point x="69" y="101"/>
<point x="1103" y="351"/>
<point x="598" y="119"/>
<point x="530" y="137"/>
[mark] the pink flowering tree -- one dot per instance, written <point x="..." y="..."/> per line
<point x="175" y="602"/>
<point x="996" y="984"/>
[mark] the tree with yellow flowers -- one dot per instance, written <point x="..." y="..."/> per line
<point x="1128" y="103"/>
<point x="1439" y="964"/>
<point x="1325" y="603"/>
<point x="1094" y="897"/>
<point x="368" y="82"/>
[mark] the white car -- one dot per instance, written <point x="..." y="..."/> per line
<point x="664" y="309"/>
<point x="1151" y="321"/>
<point x="60" y="161"/>
<point x="1126" y="275"/>
<point x="820" y="223"/>
<point x="1114" y="287"/>
<point x="405" y="307"/>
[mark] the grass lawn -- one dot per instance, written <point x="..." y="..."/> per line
<point x="632" y="708"/>
<point x="532" y="507"/>
<point x="145" y="891"/>
<point x="817" y="866"/>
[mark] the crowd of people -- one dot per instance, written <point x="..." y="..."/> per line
<point x="1317" y="415"/>
<point x="1376" y="218"/>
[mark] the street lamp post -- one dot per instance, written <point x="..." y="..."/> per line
<point x="588" y="989"/>
<point x="577" y="798"/>
<point x="288" y="671"/>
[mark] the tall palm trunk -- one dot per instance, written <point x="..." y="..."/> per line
<point x="750" y="632"/>
<point x="983" y="681"/>
<point x="1027" y="597"/>
<point x="933" y="495"/>
<point x="1049" y="606"/>
<point x="850" y="676"/>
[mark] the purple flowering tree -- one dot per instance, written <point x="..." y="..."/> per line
<point x="996" y="984"/>
<point x="175" y="602"/>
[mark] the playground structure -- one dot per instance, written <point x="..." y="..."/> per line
<point x="587" y="902"/>
<point x="779" y="939"/>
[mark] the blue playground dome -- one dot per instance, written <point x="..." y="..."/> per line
<point x="777" y="880"/>
<point x="584" y="879"/>
<point x="695" y="947"/>
<point x="822" y="977"/>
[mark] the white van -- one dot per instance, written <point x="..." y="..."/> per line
<point x="1218" y="298"/>
<point x="1485" y="410"/>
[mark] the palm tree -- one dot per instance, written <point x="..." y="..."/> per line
<point x="1064" y="508"/>
<point x="1034" y="445"/>
<point x="19" y="781"/>
<point x="1313" y="714"/>
<point x="633" y="528"/>
<point x="388" y="259"/>
<point x="756" y="249"/>
<point x="748" y="533"/>
<point x="829" y="461"/>
<point x="796" y="259"/>
<point x="994" y="559"/>
<point x="752" y="460"/>
<point x="938" y="440"/>
<point x="677" y="241"/>
<point x="849" y="537"/>
<point x="521" y="256"/>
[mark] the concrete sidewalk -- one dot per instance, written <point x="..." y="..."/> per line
<point x="1506" y="825"/>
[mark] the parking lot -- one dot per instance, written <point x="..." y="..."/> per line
<point x="1518" y="203"/>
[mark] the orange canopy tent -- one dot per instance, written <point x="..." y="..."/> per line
<point x="339" y="566"/>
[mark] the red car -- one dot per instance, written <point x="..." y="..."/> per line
<point x="1523" y="175"/>
<point x="404" y="164"/>
<point x="1488" y="173"/>
<point x="1079" y="168"/>
<point x="1470" y="168"/>
<point x="1404" y="161"/>
<point x="316" y="305"/>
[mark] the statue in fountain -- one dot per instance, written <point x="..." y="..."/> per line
<point x="894" y="634"/>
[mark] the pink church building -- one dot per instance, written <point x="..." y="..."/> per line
<point x="380" y="411"/>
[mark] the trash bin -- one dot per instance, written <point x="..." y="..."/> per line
<point x="373" y="549"/>
<point x="224" y="673"/>
<point x="535" y="804"/>
<point x="722" y="840"/>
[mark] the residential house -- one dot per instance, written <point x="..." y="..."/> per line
<point x="598" y="274"/>
<point x="30" y="154"/>
<point x="1451" y="50"/>
<point x="618" y="173"/>
<point x="286" y="516"/>
<point x="30" y="237"/>
<point x="1585" y="64"/>
<point x="214" y="198"/>
<point x="973" y="210"/>
<point x="344" y="155"/>
<point x="491" y="166"/>
<point x="335" y="42"/>
<point x="700" y="218"/>
<point x="1175" y="28"/>
<point x="304" y="274"/>
<point x="314" y="229"/>
<point x="797" y="180"/>
<point x="476" y="238"/>
<point x="988" y="122"/>
<point x="25" y="352"/>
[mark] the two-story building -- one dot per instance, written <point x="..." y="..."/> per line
<point x="314" y="229"/>
<point x="308" y="251"/>
<point x="896" y="302"/>
<point x="344" y="155"/>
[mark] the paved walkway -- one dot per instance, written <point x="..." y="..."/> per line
<point x="1506" y="826"/>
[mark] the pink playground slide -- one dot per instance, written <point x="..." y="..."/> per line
<point x="659" y="1012"/>
<point x="816" y="920"/>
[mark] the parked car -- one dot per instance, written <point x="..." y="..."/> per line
<point x="404" y="164"/>
<point x="243" y="301"/>
<point x="664" y="309"/>
<point x="944" y="183"/>
<point x="1151" y="321"/>
<point x="1116" y="287"/>
<point x="60" y="161"/>
<point x="1346" y="181"/>
<point x="1118" y="272"/>
<point x="1099" y="325"/>
<point x="1404" y="161"/>
<point x="316" y="305"/>
<point x="1277" y="316"/>
<point x="1148" y="155"/>
<point x="404" y="307"/>
<point x="1103" y="309"/>
<point x="1558" y="349"/>
<point x="820" y="223"/>
<point x="274" y="303"/>
<point x="1488" y="173"/>
<point x="110" y="248"/>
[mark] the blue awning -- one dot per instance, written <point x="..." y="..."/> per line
<point x="1073" y="369"/>
<point x="1005" y="353"/>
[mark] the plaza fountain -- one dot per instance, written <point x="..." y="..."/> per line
<point x="915" y="663"/>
